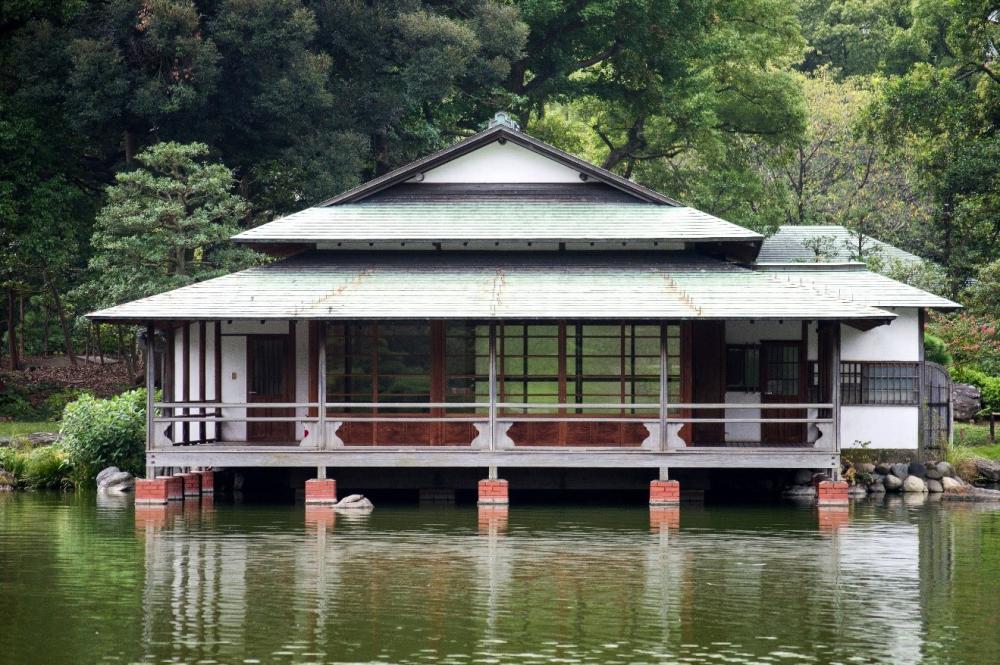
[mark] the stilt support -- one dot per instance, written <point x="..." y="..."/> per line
<point x="493" y="492"/>
<point x="664" y="492"/>
<point x="192" y="484"/>
<point x="321" y="490"/>
<point x="175" y="487"/>
<point x="207" y="481"/>
<point x="151" y="490"/>
<point x="831" y="492"/>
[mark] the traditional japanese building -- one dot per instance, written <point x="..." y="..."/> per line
<point x="503" y="304"/>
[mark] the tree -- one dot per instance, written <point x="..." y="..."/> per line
<point x="166" y="224"/>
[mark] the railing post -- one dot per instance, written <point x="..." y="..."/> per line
<point x="835" y="388"/>
<point x="493" y="387"/>
<point x="321" y="385"/>
<point x="664" y="387"/>
<point x="150" y="393"/>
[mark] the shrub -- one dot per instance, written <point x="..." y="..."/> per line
<point x="14" y="460"/>
<point x="988" y="385"/>
<point x="47" y="467"/>
<point x="98" y="433"/>
<point x="963" y="461"/>
<point x="935" y="350"/>
<point x="53" y="406"/>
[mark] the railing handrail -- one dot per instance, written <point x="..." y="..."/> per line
<point x="483" y="405"/>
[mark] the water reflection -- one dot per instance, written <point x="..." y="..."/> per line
<point x="879" y="581"/>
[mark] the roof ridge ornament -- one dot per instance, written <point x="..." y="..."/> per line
<point x="504" y="119"/>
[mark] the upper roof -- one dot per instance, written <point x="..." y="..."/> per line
<point x="502" y="189"/>
<point x="855" y="282"/>
<point x="502" y="130"/>
<point x="482" y="223"/>
<point x="788" y="245"/>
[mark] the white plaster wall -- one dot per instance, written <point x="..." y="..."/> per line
<point x="883" y="426"/>
<point x="899" y="340"/>
<point x="745" y="332"/>
<point x="495" y="163"/>
<point x="234" y="384"/>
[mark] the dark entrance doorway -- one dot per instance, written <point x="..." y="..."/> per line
<point x="782" y="378"/>
<point x="270" y="379"/>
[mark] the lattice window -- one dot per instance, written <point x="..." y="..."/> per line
<point x="880" y="383"/>
<point x="743" y="368"/>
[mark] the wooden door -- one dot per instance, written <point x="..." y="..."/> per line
<point x="270" y="378"/>
<point x="782" y="380"/>
<point x="708" y="378"/>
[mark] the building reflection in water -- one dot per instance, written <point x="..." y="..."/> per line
<point x="388" y="586"/>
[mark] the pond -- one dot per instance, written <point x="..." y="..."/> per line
<point x="84" y="580"/>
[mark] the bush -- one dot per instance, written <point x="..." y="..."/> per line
<point x="988" y="385"/>
<point x="935" y="350"/>
<point x="53" y="406"/>
<point x="47" y="467"/>
<point x="44" y="467"/>
<point x="98" y="433"/>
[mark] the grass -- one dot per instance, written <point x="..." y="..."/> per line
<point x="24" y="428"/>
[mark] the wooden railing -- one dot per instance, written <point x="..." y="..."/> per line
<point x="663" y="427"/>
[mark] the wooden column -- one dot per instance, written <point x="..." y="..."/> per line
<point x="664" y="386"/>
<point x="493" y="387"/>
<point x="835" y="387"/>
<point x="321" y="385"/>
<point x="150" y="393"/>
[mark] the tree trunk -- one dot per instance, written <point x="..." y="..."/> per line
<point x="67" y="334"/>
<point x="15" y="360"/>
<point x="100" y="347"/>
<point x="46" y="314"/>
<point x="20" y="325"/>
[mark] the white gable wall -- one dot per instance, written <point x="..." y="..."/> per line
<point x="882" y="426"/>
<point x="496" y="163"/>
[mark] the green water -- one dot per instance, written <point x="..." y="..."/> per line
<point x="83" y="581"/>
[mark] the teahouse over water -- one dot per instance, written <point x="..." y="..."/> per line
<point x="500" y="304"/>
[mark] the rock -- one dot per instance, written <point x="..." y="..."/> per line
<point x="901" y="471"/>
<point x="883" y="468"/>
<point x="877" y="487"/>
<point x="8" y="483"/>
<point x="803" y="477"/>
<point x="917" y="469"/>
<point x="804" y="491"/>
<point x="914" y="484"/>
<point x="867" y="467"/>
<point x="944" y="469"/>
<point x="893" y="483"/>
<point x="969" y="493"/>
<point x="950" y="484"/>
<point x="117" y="483"/>
<point x="354" y="502"/>
<point x="988" y="471"/>
<point x="934" y="486"/>
<point x="933" y="473"/>
<point x="966" y="401"/>
<point x="857" y="491"/>
<point x="106" y="473"/>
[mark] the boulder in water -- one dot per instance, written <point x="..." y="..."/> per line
<point x="354" y="502"/>
<point x="934" y="486"/>
<point x="901" y="471"/>
<point x="944" y="469"/>
<point x="988" y="470"/>
<point x="117" y="483"/>
<point x="917" y="469"/>
<point x="914" y="484"/>
<point x="106" y="473"/>
<point x="951" y="484"/>
<point x="893" y="483"/>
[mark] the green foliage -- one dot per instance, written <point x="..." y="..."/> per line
<point x="972" y="339"/>
<point x="18" y="404"/>
<point x="988" y="385"/>
<point x="98" y="433"/>
<point x="166" y="225"/>
<point x="935" y="350"/>
<point x="42" y="467"/>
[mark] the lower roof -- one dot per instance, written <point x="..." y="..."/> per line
<point x="483" y="285"/>
<point x="791" y="243"/>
